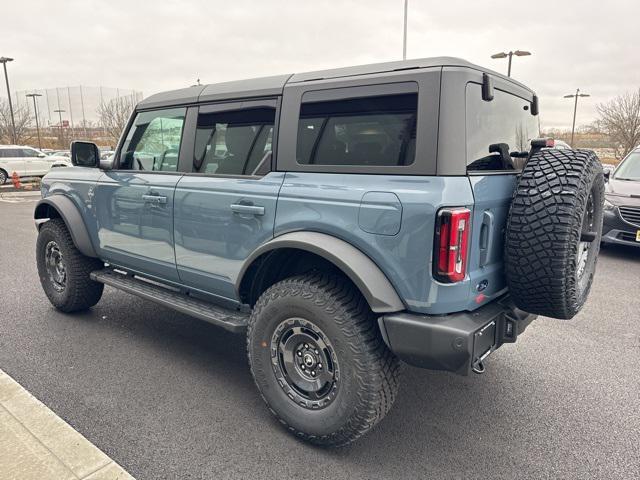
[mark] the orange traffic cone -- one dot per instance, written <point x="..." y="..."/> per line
<point x="16" y="180"/>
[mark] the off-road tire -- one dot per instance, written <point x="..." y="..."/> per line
<point x="368" y="370"/>
<point x="544" y="230"/>
<point x="79" y="291"/>
<point x="3" y="177"/>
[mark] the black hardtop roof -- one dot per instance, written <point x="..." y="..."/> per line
<point x="274" y="85"/>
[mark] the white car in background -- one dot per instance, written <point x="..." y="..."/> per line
<point x="27" y="162"/>
<point x="60" y="153"/>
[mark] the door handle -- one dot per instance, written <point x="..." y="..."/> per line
<point x="154" y="199"/>
<point x="247" y="209"/>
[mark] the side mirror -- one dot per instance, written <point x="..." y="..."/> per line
<point x="41" y="155"/>
<point x="107" y="163"/>
<point x="607" y="175"/>
<point x="85" y="154"/>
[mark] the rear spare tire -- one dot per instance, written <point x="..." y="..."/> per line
<point x="553" y="232"/>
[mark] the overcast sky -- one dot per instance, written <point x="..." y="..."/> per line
<point x="159" y="45"/>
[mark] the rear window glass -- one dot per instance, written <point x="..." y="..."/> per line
<point x="502" y="126"/>
<point x="379" y="130"/>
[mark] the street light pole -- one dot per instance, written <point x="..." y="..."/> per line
<point x="517" y="53"/>
<point x="404" y="37"/>
<point x="4" y="61"/>
<point x="59" y="112"/>
<point x="35" y="111"/>
<point x="575" y="110"/>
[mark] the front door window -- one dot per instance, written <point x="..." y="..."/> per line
<point x="153" y="142"/>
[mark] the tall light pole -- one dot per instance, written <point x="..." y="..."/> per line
<point x="4" y="61"/>
<point x="60" y="112"/>
<point x="575" y="109"/>
<point x="517" y="53"/>
<point x="404" y="37"/>
<point x="35" y="111"/>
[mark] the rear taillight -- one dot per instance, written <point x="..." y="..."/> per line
<point x="452" y="233"/>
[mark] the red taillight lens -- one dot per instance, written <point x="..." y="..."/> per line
<point x="452" y="234"/>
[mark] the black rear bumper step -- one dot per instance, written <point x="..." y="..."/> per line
<point x="231" y="320"/>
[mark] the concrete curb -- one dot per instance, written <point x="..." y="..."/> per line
<point x="20" y="193"/>
<point x="8" y="187"/>
<point x="37" y="444"/>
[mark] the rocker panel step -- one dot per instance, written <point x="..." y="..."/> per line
<point x="231" y="320"/>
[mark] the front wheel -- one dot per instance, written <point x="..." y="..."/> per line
<point x="319" y="361"/>
<point x="64" y="271"/>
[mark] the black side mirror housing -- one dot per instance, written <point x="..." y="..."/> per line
<point x="85" y="154"/>
<point x="607" y="175"/>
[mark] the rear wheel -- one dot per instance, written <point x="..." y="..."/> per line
<point x="554" y="231"/>
<point x="64" y="271"/>
<point x="3" y="177"/>
<point x="319" y="361"/>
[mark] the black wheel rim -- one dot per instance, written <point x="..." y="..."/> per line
<point x="305" y="363"/>
<point x="584" y="247"/>
<point x="56" y="270"/>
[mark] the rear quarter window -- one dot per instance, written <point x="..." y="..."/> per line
<point x="367" y="131"/>
<point x="505" y="120"/>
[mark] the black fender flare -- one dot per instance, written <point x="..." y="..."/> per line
<point x="363" y="272"/>
<point x="72" y="218"/>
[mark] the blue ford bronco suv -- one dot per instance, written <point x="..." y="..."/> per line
<point x="344" y="220"/>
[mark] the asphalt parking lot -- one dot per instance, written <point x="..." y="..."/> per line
<point x="167" y="396"/>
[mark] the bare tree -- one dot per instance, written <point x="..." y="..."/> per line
<point x="24" y="128"/>
<point x="114" y="115"/>
<point x="620" y="119"/>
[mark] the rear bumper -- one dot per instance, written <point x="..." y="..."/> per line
<point x="457" y="342"/>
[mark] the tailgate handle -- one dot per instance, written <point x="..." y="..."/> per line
<point x="486" y="237"/>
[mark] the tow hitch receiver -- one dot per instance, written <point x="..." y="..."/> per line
<point x="484" y="341"/>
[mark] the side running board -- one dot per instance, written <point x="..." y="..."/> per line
<point x="231" y="320"/>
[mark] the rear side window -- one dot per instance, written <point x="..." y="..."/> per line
<point x="497" y="128"/>
<point x="234" y="142"/>
<point x="153" y="141"/>
<point x="377" y="130"/>
<point x="10" y="153"/>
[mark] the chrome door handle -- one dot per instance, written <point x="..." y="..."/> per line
<point x="247" y="209"/>
<point x="155" y="199"/>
